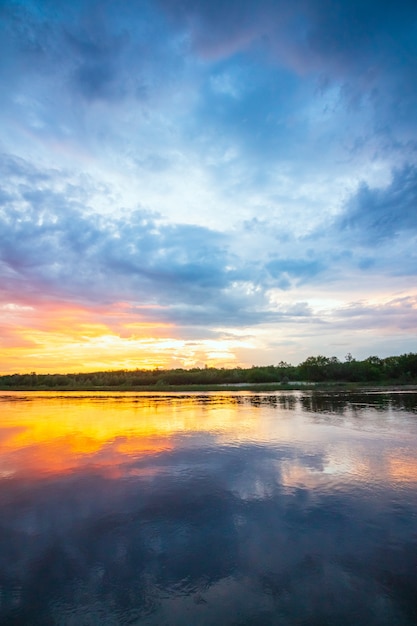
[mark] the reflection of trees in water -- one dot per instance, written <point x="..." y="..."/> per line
<point x="336" y="402"/>
<point x="261" y="400"/>
<point x="317" y="403"/>
<point x="340" y="404"/>
<point x="404" y="402"/>
<point x="358" y="403"/>
<point x="288" y="402"/>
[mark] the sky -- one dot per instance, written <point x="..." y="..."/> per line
<point x="191" y="183"/>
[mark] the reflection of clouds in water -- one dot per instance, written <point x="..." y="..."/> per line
<point x="263" y="517"/>
<point x="402" y="469"/>
<point x="341" y="464"/>
<point x="206" y="534"/>
<point x="107" y="429"/>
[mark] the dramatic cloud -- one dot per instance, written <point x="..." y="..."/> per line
<point x="374" y="215"/>
<point x="211" y="165"/>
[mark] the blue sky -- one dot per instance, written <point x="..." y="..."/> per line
<point x="190" y="183"/>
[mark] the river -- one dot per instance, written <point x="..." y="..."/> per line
<point x="232" y="508"/>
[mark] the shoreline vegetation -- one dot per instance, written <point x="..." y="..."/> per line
<point x="318" y="372"/>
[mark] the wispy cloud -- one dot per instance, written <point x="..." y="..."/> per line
<point x="375" y="215"/>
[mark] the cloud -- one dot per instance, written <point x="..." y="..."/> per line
<point x="364" y="50"/>
<point x="88" y="49"/>
<point x="300" y="269"/>
<point x="349" y="39"/>
<point x="53" y="246"/>
<point x="375" y="215"/>
<point x="220" y="161"/>
<point x="279" y="84"/>
<point x="399" y="313"/>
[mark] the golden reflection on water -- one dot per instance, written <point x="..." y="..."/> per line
<point x="403" y="469"/>
<point x="48" y="433"/>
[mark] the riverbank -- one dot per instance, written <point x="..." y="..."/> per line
<point x="255" y="387"/>
<point x="315" y="372"/>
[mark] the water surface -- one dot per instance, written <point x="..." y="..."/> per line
<point x="217" y="508"/>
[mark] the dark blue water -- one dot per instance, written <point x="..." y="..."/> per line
<point x="244" y="509"/>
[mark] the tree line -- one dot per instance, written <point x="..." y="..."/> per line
<point x="318" y="369"/>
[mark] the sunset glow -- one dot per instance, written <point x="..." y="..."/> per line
<point x="60" y="338"/>
<point x="188" y="184"/>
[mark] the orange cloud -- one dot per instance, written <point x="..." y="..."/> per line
<point x="61" y="338"/>
<point x="57" y="337"/>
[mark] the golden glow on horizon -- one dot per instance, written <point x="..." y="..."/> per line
<point x="56" y="337"/>
<point x="60" y="339"/>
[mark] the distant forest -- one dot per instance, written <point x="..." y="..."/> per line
<point x="316" y="369"/>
